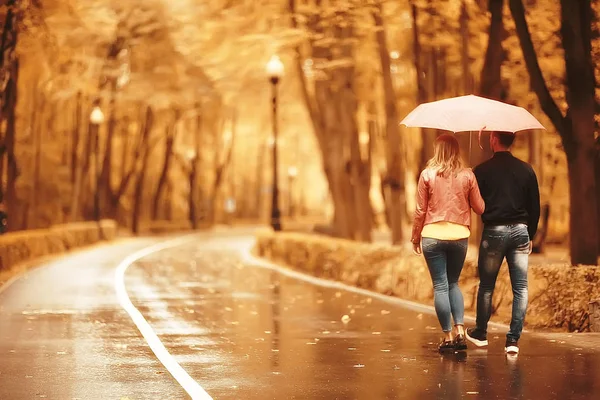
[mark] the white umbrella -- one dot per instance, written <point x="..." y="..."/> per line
<point x="471" y="113"/>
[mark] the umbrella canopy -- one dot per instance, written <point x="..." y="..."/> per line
<point x="471" y="113"/>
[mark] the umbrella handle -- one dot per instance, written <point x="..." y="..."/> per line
<point x="479" y="138"/>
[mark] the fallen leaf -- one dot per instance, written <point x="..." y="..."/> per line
<point x="359" y="366"/>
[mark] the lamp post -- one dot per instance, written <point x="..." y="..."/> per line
<point x="96" y="118"/>
<point x="292" y="174"/>
<point x="275" y="71"/>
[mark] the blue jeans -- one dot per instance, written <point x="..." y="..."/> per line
<point x="445" y="260"/>
<point x="498" y="242"/>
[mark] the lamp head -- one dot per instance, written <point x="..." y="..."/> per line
<point x="275" y="69"/>
<point x="96" y="116"/>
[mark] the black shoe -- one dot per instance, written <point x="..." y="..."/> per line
<point x="511" y="346"/>
<point x="476" y="337"/>
<point x="446" y="346"/>
<point x="460" y="343"/>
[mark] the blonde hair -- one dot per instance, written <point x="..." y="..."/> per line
<point x="446" y="156"/>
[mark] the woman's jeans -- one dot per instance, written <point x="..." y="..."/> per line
<point x="497" y="242"/>
<point x="445" y="260"/>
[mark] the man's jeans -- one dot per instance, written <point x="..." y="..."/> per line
<point x="445" y="259"/>
<point x="497" y="242"/>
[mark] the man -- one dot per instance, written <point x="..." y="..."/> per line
<point x="510" y="189"/>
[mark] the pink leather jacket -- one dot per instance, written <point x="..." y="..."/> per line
<point x="448" y="199"/>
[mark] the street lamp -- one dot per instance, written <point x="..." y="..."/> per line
<point x="275" y="71"/>
<point x="96" y="119"/>
<point x="292" y="174"/>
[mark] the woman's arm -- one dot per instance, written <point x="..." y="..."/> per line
<point x="421" y="210"/>
<point x="477" y="203"/>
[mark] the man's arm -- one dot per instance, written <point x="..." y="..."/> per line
<point x="479" y="177"/>
<point x="533" y="205"/>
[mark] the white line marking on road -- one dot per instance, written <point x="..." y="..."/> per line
<point x="193" y="388"/>
<point x="9" y="282"/>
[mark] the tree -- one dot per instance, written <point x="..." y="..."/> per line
<point x="9" y="70"/>
<point x="576" y="127"/>
<point x="146" y="130"/>
<point x="394" y="148"/>
<point x="171" y="132"/>
<point x="332" y="105"/>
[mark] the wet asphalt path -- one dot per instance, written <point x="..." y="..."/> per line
<point x="247" y="332"/>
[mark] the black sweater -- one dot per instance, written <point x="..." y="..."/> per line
<point x="510" y="190"/>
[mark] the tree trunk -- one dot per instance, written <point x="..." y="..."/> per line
<point x="82" y="172"/>
<point x="576" y="19"/>
<point x="34" y="130"/>
<point x="535" y="153"/>
<point x="356" y="178"/>
<point x="193" y="198"/>
<point x="467" y="78"/>
<point x="162" y="181"/>
<point x="394" y="145"/>
<point x="125" y="149"/>
<point x="76" y="133"/>
<point x="193" y="214"/>
<point x="576" y="129"/>
<point x="31" y="216"/>
<point x="598" y="185"/>
<point x="582" y="191"/>
<point x="10" y="141"/>
<point x="491" y="87"/>
<point x="168" y="204"/>
<point x="322" y="112"/>
<point x="221" y="171"/>
<point x="491" y="77"/>
<point x="139" y="192"/>
<point x="429" y="135"/>
<point x="139" y="184"/>
<point x="419" y="59"/>
<point x="358" y="173"/>
<point x="10" y="62"/>
<point x="106" y="190"/>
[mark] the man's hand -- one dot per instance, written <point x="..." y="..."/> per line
<point x="417" y="248"/>
<point x="530" y="247"/>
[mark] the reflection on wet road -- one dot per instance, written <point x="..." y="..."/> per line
<point x="245" y="332"/>
<point x="63" y="335"/>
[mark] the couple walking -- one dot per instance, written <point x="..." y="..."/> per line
<point x="504" y="191"/>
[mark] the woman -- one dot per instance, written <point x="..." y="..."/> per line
<point x="446" y="193"/>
